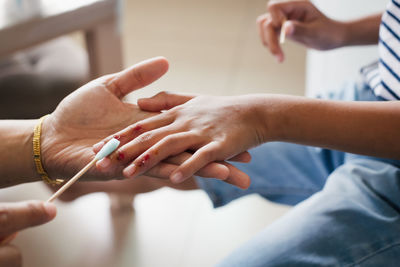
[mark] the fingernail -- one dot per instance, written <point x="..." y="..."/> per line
<point x="130" y="170"/>
<point x="104" y="163"/>
<point x="51" y="209"/>
<point x="177" y="177"/>
<point x="98" y="146"/>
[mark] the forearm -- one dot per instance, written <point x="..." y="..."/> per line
<point x="363" y="31"/>
<point x="370" y="128"/>
<point x="16" y="153"/>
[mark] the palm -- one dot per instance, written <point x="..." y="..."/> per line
<point x="88" y="115"/>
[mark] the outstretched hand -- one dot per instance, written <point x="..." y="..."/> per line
<point x="95" y="111"/>
<point x="214" y="128"/>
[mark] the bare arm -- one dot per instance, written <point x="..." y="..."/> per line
<point x="364" y="31"/>
<point x="370" y="128"/>
<point x="16" y="154"/>
<point x="218" y="128"/>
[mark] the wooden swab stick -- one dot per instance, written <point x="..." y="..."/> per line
<point x="72" y="181"/>
<point x="104" y="152"/>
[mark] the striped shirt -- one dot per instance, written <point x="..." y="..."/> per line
<point x="384" y="76"/>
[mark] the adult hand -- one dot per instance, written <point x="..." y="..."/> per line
<point x="216" y="128"/>
<point x="95" y="111"/>
<point x="15" y="217"/>
<point x="303" y="23"/>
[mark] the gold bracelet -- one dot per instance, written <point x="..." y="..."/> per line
<point x="37" y="156"/>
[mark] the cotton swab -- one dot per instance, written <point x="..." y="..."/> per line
<point x="282" y="37"/>
<point x="107" y="149"/>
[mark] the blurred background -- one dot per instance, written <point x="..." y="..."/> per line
<point x="49" y="47"/>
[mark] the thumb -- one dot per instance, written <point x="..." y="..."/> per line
<point x="163" y="101"/>
<point x="137" y="76"/>
<point x="17" y="216"/>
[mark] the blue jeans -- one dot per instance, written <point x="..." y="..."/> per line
<point x="347" y="206"/>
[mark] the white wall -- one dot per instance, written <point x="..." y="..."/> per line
<point x="330" y="69"/>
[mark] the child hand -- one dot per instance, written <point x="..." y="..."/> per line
<point x="303" y="23"/>
<point x="215" y="128"/>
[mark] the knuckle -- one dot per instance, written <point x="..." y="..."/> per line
<point x="162" y="94"/>
<point x="138" y="76"/>
<point x="208" y="155"/>
<point x="260" y="19"/>
<point x="144" y="138"/>
<point x="174" y="111"/>
<point x="170" y="141"/>
<point x="134" y="128"/>
<point x="272" y="5"/>
<point x="267" y="26"/>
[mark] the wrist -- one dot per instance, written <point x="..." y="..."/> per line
<point x="361" y="32"/>
<point x="16" y="153"/>
<point x="47" y="136"/>
<point x="348" y="33"/>
<point x="27" y="148"/>
<point x="343" y="34"/>
<point x="267" y="110"/>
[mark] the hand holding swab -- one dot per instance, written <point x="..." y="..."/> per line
<point x="104" y="152"/>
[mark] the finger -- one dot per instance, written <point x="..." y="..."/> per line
<point x="10" y="256"/>
<point x="200" y="158"/>
<point x="243" y="157"/>
<point x="213" y="170"/>
<point x="137" y="76"/>
<point x="260" y="25"/>
<point x="216" y="170"/>
<point x="237" y="177"/>
<point x="282" y="10"/>
<point x="271" y="38"/>
<point x="277" y="10"/>
<point x="17" y="216"/>
<point x="173" y="144"/>
<point x="163" y="101"/>
<point x="131" y="132"/>
<point x="130" y="150"/>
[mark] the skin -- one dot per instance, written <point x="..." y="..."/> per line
<point x="306" y="25"/>
<point x="18" y="216"/>
<point x="257" y="119"/>
<point x="86" y="116"/>
<point x="218" y="128"/>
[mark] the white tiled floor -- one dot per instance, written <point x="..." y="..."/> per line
<point x="213" y="48"/>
